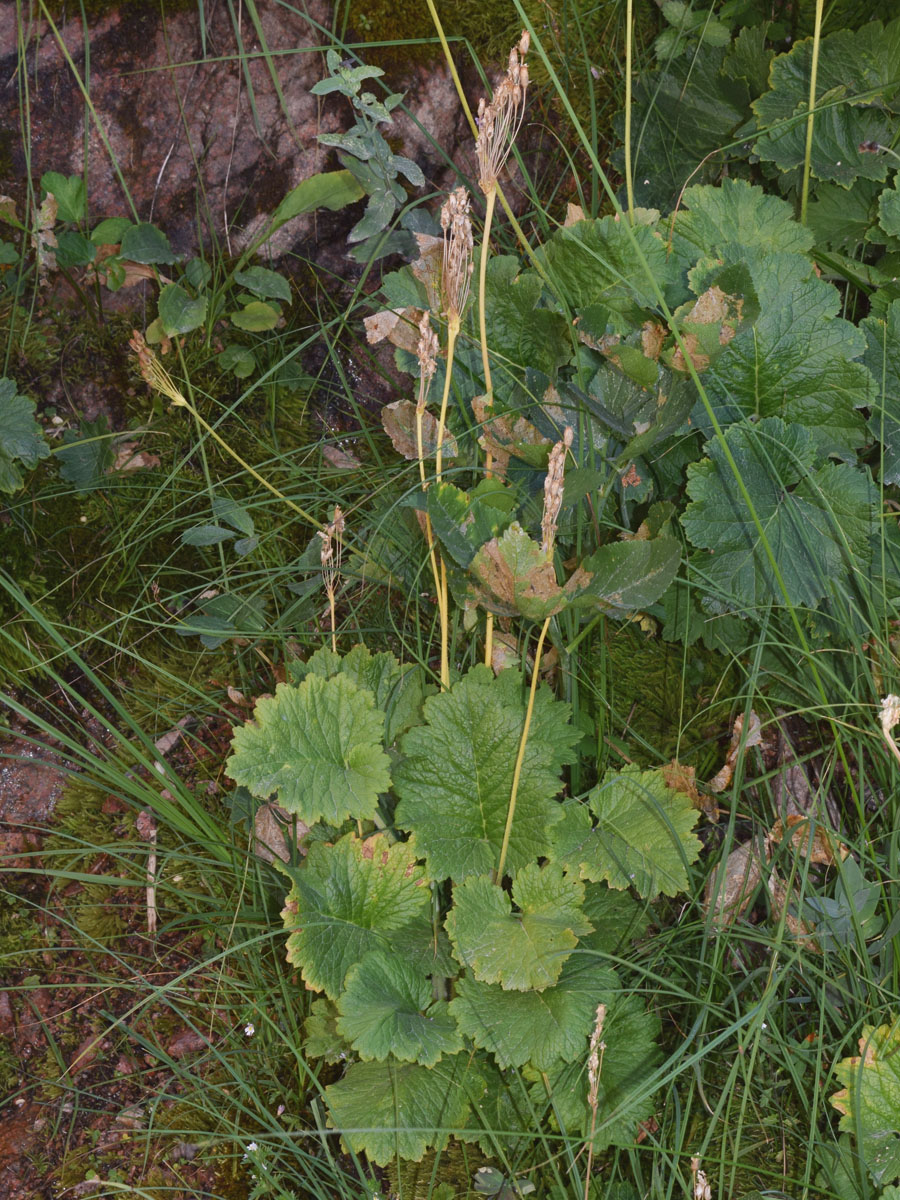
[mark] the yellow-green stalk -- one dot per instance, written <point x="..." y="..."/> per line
<point x="629" y="52"/>
<point x="456" y="277"/>
<point x="427" y="352"/>
<point x="810" y="117"/>
<point x="553" y="494"/>
<point x="498" y="124"/>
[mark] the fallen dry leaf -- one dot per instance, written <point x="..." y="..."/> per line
<point x="336" y="457"/>
<point x="816" y="845"/>
<point x="272" y="832"/>
<point x="723" y="778"/>
<point x="128" y="459"/>
<point x="730" y="895"/>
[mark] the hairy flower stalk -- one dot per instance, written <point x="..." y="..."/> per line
<point x="330" y="558"/>
<point x="595" y="1066"/>
<point x="456" y="276"/>
<point x="498" y="124"/>
<point x="427" y="353"/>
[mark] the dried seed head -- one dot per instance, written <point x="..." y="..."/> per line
<point x="499" y="122"/>
<point x="553" y="491"/>
<point x="152" y="370"/>
<point x="595" y="1058"/>
<point x="331" y="550"/>
<point x="890" y="713"/>
<point x="701" y="1189"/>
<point x="426" y="352"/>
<point x="456" y="273"/>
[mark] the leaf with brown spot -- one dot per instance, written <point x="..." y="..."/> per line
<point x="399" y="421"/>
<point x="507" y="435"/>
<point x="399" y="325"/>
<point x="512" y="575"/>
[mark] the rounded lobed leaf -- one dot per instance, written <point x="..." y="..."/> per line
<point x="387" y="1010"/>
<point x="350" y="898"/>
<point x="390" y="1110"/>
<point x="318" y="747"/>
<point x="643" y="837"/>
<point x="521" y="950"/>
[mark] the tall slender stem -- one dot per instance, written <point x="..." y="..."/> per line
<point x="629" y="182"/>
<point x="520" y="757"/>
<point x="490" y="201"/>
<point x="811" y="115"/>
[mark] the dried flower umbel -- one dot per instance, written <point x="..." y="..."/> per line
<point x="456" y="272"/>
<point x="330" y="558"/>
<point x="500" y="120"/>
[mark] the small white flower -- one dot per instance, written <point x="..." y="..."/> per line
<point x="251" y="1146"/>
<point x="249" y="1030"/>
<point x="279" y="1110"/>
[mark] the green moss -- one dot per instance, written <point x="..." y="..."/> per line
<point x="652" y="691"/>
<point x="457" y="1166"/>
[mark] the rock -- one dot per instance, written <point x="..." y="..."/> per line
<point x="183" y="123"/>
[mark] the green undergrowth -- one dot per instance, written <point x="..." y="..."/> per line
<point x="558" y="692"/>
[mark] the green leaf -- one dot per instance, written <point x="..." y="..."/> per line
<point x="848" y="64"/>
<point x="332" y="190"/>
<point x="525" y="949"/>
<point x="21" y="438"/>
<point x="816" y="521"/>
<point x="394" y="1110"/>
<point x="73" y="249"/>
<point x="617" y="919"/>
<point x="110" y="231"/>
<point x="889" y="211"/>
<point x="144" y="243"/>
<point x="318" y="747"/>
<point x="233" y="514"/>
<point x="869" y="1101"/>
<point x="594" y="262"/>
<point x="796" y="361"/>
<point x="455" y="779"/>
<point x="387" y="1010"/>
<point x="462" y="522"/>
<point x="348" y="899"/>
<point x="625" y="1094"/>
<point x="399" y="692"/>
<point x="321" y="1037"/>
<point x="269" y="285"/>
<point x="256" y="317"/>
<point x="240" y="360"/>
<point x="206" y="535"/>
<point x="544" y="1028"/>
<point x="735" y="214"/>
<point x="520" y="331"/>
<point x="629" y="576"/>
<point x="685" y="114"/>
<point x="840" y="219"/>
<point x="70" y="194"/>
<point x="642" y="838"/>
<point x="86" y="456"/>
<point x="882" y="357"/>
<point x="379" y="211"/>
<point x="178" y="311"/>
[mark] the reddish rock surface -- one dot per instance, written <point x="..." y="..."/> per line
<point x="192" y="133"/>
